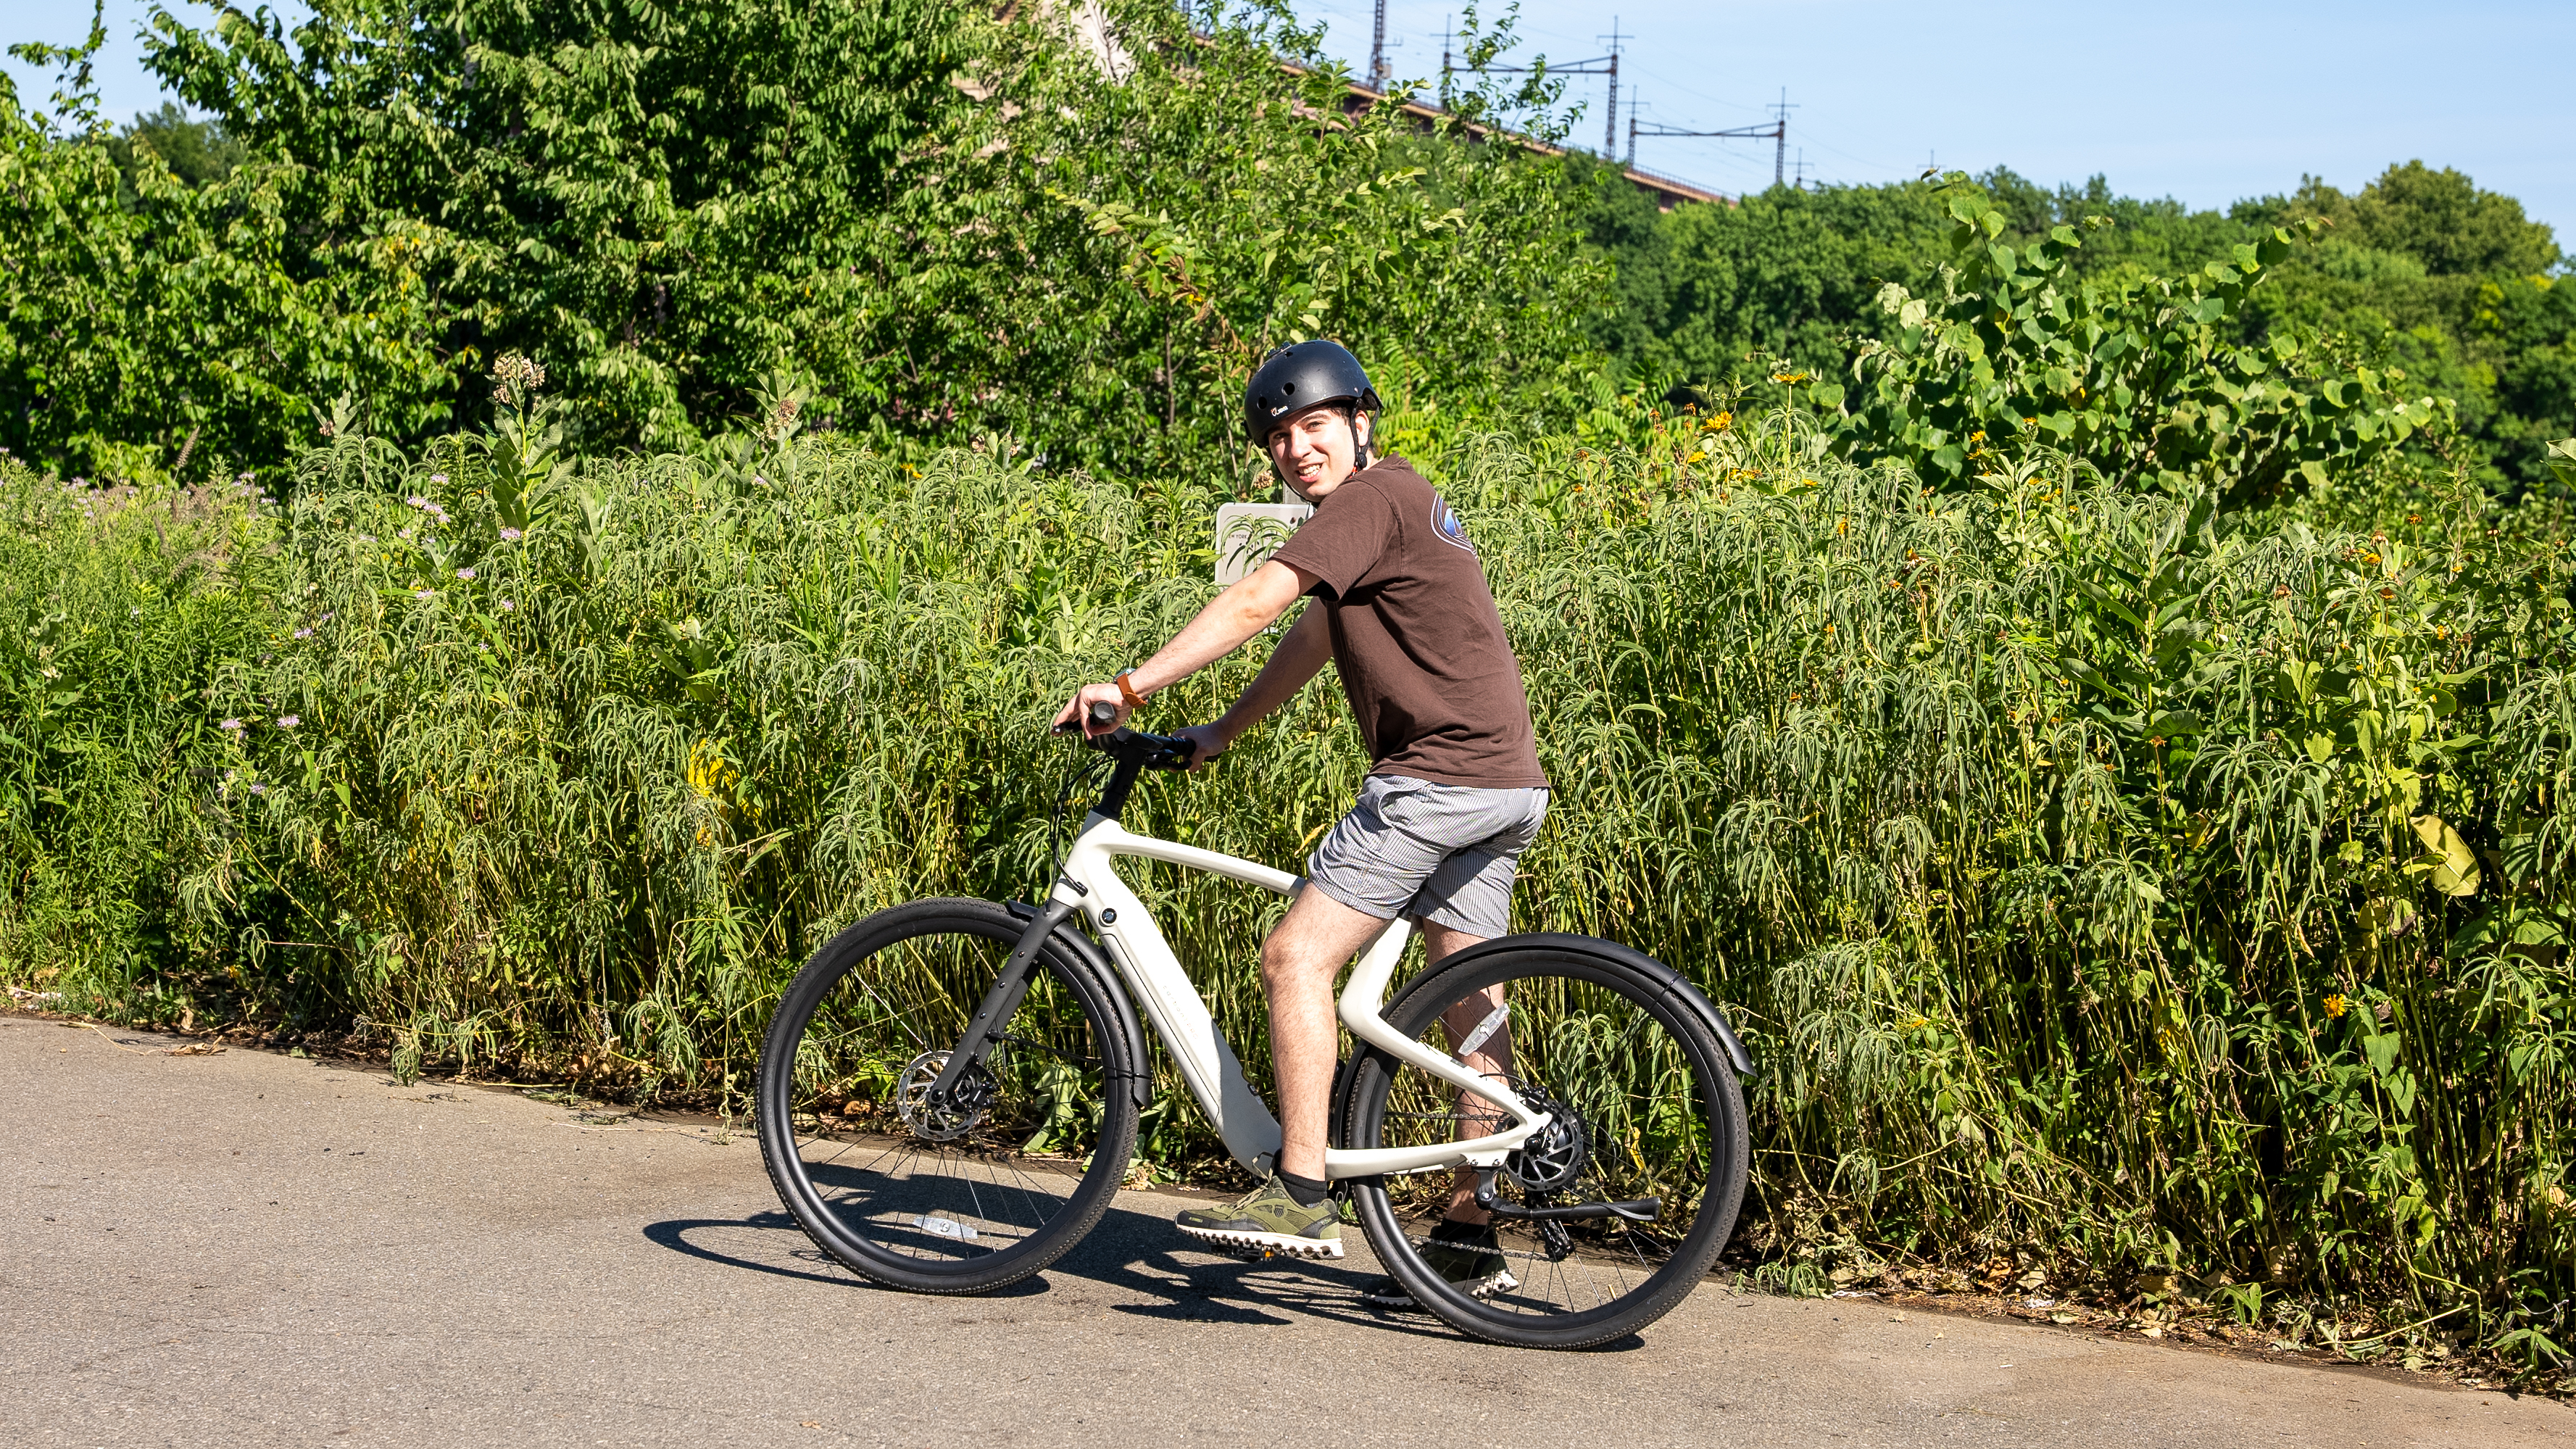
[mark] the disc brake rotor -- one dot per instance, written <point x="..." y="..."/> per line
<point x="1554" y="1155"/>
<point x="940" y="1121"/>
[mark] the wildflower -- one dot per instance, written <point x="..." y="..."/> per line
<point x="510" y="535"/>
<point x="232" y="724"/>
<point x="366" y="538"/>
<point x="305" y="633"/>
<point x="257" y="788"/>
<point x="466" y="574"/>
<point x="289" y="721"/>
<point x="425" y="593"/>
<point x="327" y="618"/>
<point x="507" y="606"/>
<point x="437" y="477"/>
<point x="2335" y="1004"/>
<point x="417" y="501"/>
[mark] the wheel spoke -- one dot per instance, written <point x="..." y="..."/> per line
<point x="1626" y="1079"/>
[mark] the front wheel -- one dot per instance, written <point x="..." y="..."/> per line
<point x="970" y="1194"/>
<point x="1643" y="1105"/>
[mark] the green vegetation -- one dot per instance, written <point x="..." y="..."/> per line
<point x="940" y="225"/>
<point x="2440" y="289"/>
<point x="2097" y="875"/>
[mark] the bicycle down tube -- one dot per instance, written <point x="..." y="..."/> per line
<point x="1207" y="1061"/>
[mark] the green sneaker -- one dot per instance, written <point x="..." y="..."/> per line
<point x="1468" y="1258"/>
<point x="1269" y="1219"/>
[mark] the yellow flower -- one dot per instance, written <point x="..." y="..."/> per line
<point x="2335" y="1004"/>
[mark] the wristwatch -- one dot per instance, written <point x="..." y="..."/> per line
<point x="1127" y="691"/>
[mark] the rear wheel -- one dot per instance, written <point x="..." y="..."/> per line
<point x="1643" y="1105"/>
<point x="965" y="1196"/>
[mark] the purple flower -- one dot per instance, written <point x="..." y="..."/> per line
<point x="425" y="593"/>
<point x="303" y="633"/>
<point x="232" y="724"/>
<point x="327" y="618"/>
<point x="466" y="574"/>
<point x="289" y="721"/>
<point x="437" y="477"/>
<point x="257" y="788"/>
<point x="507" y="606"/>
<point x="510" y="535"/>
<point x="417" y="501"/>
<point x="366" y="538"/>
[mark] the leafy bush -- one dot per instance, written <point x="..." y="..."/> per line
<point x="940" y="224"/>
<point x="2137" y="378"/>
<point x="2105" y="883"/>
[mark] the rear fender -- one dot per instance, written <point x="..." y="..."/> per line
<point x="1671" y="980"/>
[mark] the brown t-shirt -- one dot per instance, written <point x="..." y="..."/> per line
<point x="1416" y="636"/>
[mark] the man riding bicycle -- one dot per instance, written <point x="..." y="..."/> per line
<point x="1454" y="795"/>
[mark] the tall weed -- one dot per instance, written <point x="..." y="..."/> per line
<point x="2111" y="888"/>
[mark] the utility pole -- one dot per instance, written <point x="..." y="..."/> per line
<point x="1445" y="31"/>
<point x="1638" y="128"/>
<point x="1780" y="137"/>
<point x="1377" y="52"/>
<point x="1597" y="65"/>
<point x="1610" y="132"/>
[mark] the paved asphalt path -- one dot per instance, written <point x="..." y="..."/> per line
<point x="245" y="1248"/>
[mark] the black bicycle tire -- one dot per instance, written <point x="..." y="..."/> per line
<point x="1111" y="1152"/>
<point x="1412" y="1012"/>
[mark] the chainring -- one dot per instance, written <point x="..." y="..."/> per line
<point x="941" y="1122"/>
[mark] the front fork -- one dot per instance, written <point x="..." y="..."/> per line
<point x="1001" y="1000"/>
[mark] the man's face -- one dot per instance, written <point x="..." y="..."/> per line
<point x="1315" y="449"/>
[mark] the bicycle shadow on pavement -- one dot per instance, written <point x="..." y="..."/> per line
<point x="1139" y="1254"/>
<point x="673" y="1233"/>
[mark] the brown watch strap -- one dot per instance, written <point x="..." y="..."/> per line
<point x="1127" y="691"/>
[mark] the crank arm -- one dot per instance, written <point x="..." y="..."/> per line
<point x="1000" y="1001"/>
<point x="1642" y="1210"/>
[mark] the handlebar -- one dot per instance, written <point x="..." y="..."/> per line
<point x="1144" y="751"/>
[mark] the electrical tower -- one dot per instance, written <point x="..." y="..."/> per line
<point x="1777" y="133"/>
<point x="1610" y="132"/>
<point x="1377" y="52"/>
<point x="1780" y="137"/>
<point x="1598" y="65"/>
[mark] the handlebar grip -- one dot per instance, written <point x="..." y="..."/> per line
<point x="1103" y="715"/>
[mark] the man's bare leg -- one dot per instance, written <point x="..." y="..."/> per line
<point x="1305" y="950"/>
<point x="1492" y="1057"/>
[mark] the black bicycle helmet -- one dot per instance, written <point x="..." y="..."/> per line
<point x="1298" y="376"/>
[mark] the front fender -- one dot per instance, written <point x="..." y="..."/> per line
<point x="1074" y="944"/>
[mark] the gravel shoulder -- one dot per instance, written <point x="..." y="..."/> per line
<point x="249" y="1248"/>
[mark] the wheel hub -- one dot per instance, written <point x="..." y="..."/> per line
<point x="941" y="1121"/>
<point x="1554" y="1155"/>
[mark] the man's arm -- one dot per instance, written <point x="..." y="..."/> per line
<point x="1297" y="659"/>
<point x="1246" y="608"/>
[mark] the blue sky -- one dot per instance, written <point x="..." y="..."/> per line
<point x="2194" y="99"/>
<point x="2198" y="100"/>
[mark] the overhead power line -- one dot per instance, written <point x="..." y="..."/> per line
<point x="1777" y="133"/>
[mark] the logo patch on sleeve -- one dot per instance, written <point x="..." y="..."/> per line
<point x="1446" y="523"/>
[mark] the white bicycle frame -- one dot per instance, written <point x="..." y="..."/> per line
<point x="1207" y="1061"/>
